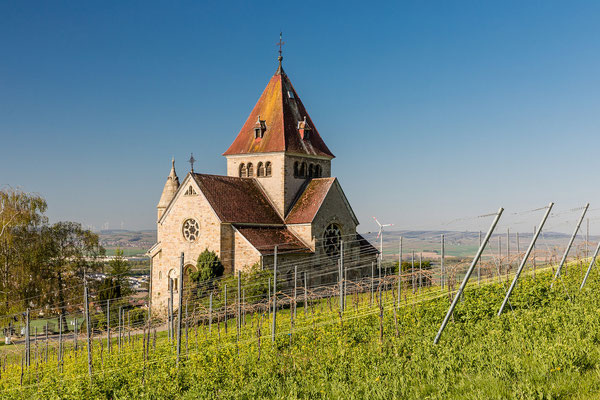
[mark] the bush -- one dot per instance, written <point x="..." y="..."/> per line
<point x="208" y="266"/>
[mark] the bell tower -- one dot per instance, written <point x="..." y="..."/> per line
<point x="279" y="144"/>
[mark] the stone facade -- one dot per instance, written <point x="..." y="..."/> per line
<point x="166" y="260"/>
<point x="245" y="216"/>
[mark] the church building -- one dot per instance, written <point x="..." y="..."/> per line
<point x="279" y="196"/>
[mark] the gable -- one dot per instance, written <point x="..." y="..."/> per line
<point x="335" y="205"/>
<point x="184" y="191"/>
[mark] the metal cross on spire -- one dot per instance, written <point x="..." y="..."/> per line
<point x="280" y="44"/>
<point x="192" y="160"/>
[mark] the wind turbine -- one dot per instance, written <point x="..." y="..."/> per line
<point x="380" y="237"/>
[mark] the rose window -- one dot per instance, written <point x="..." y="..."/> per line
<point x="191" y="229"/>
<point x="331" y="240"/>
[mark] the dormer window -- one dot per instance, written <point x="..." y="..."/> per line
<point x="290" y="94"/>
<point x="304" y="129"/>
<point x="259" y="128"/>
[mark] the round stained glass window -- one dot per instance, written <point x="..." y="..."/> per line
<point x="331" y="240"/>
<point x="191" y="229"/>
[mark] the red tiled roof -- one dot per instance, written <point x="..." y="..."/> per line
<point x="305" y="209"/>
<point x="264" y="239"/>
<point x="280" y="107"/>
<point x="237" y="199"/>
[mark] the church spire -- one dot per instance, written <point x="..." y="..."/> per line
<point x="169" y="190"/>
<point x="281" y="115"/>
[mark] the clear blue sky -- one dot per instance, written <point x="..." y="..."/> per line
<point x="435" y="110"/>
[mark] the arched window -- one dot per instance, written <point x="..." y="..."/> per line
<point x="296" y="169"/>
<point x="317" y="171"/>
<point x="311" y="171"/>
<point x="268" y="168"/>
<point x="173" y="280"/>
<point x="260" y="170"/>
<point x="250" y="170"/>
<point x="302" y="172"/>
<point x="243" y="172"/>
<point x="331" y="240"/>
<point x="159" y="274"/>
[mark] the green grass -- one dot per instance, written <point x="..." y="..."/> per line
<point x="547" y="346"/>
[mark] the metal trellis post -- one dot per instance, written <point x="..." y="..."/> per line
<point x="273" y="327"/>
<point x="27" y="341"/>
<point x="295" y="289"/>
<point x="88" y="328"/>
<point x="570" y="244"/>
<point x="108" y="325"/>
<point x="592" y="261"/>
<point x="524" y="260"/>
<point x="180" y="306"/>
<point x="399" y="271"/>
<point x="442" y="270"/>
<point x="467" y="276"/>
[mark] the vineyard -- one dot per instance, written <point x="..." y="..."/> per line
<point x="545" y="346"/>
<point x="525" y="326"/>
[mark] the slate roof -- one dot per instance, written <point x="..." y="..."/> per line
<point x="309" y="203"/>
<point x="366" y="247"/>
<point x="237" y="200"/>
<point x="264" y="239"/>
<point x="281" y="109"/>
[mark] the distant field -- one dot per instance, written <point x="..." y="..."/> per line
<point x="127" y="251"/>
<point x="467" y="250"/>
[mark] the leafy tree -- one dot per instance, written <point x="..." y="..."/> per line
<point x="119" y="270"/>
<point x="21" y="214"/>
<point x="208" y="266"/>
<point x="66" y="252"/>
<point x="108" y="289"/>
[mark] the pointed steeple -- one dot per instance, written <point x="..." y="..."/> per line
<point x="283" y="115"/>
<point x="169" y="190"/>
<point x="280" y="58"/>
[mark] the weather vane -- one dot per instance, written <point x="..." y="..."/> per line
<point x="192" y="161"/>
<point x="280" y="44"/>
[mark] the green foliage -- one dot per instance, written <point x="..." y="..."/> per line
<point x="255" y="284"/>
<point x="545" y="346"/>
<point x="407" y="266"/>
<point x="118" y="272"/>
<point x="108" y="289"/>
<point x="208" y="266"/>
<point x="137" y="316"/>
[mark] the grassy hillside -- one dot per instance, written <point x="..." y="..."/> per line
<point x="546" y="345"/>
